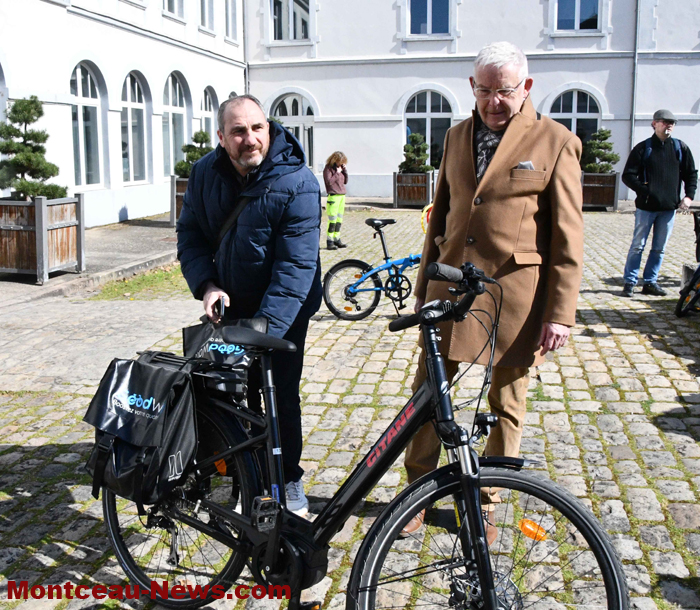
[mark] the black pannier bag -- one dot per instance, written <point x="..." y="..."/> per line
<point x="145" y="434"/>
<point x="205" y="342"/>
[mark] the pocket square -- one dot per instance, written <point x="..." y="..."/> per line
<point x="526" y="165"/>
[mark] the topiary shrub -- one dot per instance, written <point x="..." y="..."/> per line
<point x="416" y="155"/>
<point x="25" y="170"/>
<point x="193" y="152"/>
<point x="597" y="156"/>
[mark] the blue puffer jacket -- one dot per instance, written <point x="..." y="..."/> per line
<point x="269" y="265"/>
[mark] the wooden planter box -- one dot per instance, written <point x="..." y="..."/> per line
<point x="42" y="236"/>
<point x="600" y="190"/>
<point x="413" y="189"/>
<point x="178" y="186"/>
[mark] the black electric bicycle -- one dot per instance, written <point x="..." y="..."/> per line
<point x="550" y="551"/>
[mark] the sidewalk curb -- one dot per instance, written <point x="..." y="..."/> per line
<point x="71" y="286"/>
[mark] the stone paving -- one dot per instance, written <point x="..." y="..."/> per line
<point x="614" y="416"/>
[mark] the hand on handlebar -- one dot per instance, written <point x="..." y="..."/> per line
<point x="553" y="336"/>
<point x="211" y="298"/>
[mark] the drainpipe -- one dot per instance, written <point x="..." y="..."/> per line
<point x="635" y="69"/>
<point x="245" y="46"/>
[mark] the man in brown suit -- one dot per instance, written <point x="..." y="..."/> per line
<point x="508" y="199"/>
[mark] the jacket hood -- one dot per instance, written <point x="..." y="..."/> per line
<point x="285" y="156"/>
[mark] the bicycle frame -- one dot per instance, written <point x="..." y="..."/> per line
<point x="432" y="400"/>
<point x="399" y="266"/>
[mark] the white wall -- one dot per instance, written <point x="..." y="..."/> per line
<point x="115" y="37"/>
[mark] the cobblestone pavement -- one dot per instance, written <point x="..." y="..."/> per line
<point x="614" y="417"/>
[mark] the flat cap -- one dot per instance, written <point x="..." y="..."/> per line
<point x="664" y="115"/>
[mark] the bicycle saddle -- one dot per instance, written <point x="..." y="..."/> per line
<point x="240" y="335"/>
<point x="378" y="223"/>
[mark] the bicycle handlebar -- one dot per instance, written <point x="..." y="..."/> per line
<point x="444" y="273"/>
<point x="469" y="283"/>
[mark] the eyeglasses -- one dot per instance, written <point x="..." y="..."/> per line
<point x="481" y="93"/>
<point x="665" y="122"/>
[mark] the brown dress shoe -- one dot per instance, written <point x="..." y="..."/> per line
<point x="490" y="527"/>
<point x="413" y="525"/>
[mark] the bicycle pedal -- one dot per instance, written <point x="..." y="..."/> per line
<point x="264" y="513"/>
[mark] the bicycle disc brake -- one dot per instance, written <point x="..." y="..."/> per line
<point x="465" y="592"/>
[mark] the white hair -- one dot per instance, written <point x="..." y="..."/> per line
<point x="499" y="54"/>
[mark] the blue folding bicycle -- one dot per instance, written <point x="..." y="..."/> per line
<point x="352" y="288"/>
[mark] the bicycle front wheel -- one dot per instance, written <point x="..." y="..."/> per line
<point x="347" y="299"/>
<point x="550" y="553"/>
<point x="160" y="547"/>
<point x="688" y="300"/>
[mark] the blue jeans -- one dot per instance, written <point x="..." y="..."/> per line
<point x="662" y="223"/>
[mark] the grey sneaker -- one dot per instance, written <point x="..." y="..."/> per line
<point x="296" y="500"/>
<point x="628" y="290"/>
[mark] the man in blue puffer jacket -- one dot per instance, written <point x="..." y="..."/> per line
<point x="268" y="264"/>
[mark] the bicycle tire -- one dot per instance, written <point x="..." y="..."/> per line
<point x="142" y="552"/>
<point x="687" y="300"/>
<point x="404" y="573"/>
<point x="335" y="283"/>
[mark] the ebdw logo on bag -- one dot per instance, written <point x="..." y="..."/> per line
<point x="125" y="402"/>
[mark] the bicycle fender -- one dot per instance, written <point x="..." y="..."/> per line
<point x="501" y="461"/>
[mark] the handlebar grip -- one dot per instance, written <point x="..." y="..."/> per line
<point x="404" y="322"/>
<point x="445" y="273"/>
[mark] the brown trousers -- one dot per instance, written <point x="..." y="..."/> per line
<point x="507" y="399"/>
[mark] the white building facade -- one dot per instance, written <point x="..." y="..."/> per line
<point x="359" y="76"/>
<point x="125" y="83"/>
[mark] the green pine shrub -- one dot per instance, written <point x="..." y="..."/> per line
<point x="25" y="168"/>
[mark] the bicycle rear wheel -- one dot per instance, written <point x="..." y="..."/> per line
<point x="550" y="553"/>
<point x="160" y="547"/>
<point x="348" y="302"/>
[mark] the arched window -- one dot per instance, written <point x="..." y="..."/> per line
<point x="173" y="123"/>
<point x="298" y="119"/>
<point x="429" y="114"/>
<point x="86" y="126"/>
<point x="578" y="111"/>
<point x="209" y="108"/>
<point x="133" y="130"/>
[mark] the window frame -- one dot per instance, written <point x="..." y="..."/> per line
<point x="172" y="110"/>
<point x="301" y="125"/>
<point x="429" y="20"/>
<point x="231" y="18"/>
<point x="405" y="37"/>
<point x="209" y="113"/>
<point x="428" y="115"/>
<point x="602" y="33"/>
<point x="131" y="105"/>
<point x="206" y="15"/>
<point x="178" y="14"/>
<point x="575" y="115"/>
<point x="269" y="41"/>
<point x="79" y="102"/>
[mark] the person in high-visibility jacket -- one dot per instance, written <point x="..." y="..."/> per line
<point x="335" y="176"/>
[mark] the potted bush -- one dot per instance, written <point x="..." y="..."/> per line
<point x="25" y="170"/>
<point x="43" y="230"/>
<point x="193" y="152"/>
<point x="413" y="183"/>
<point x="600" y="183"/>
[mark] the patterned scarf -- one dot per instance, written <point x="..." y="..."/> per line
<point x="487" y="142"/>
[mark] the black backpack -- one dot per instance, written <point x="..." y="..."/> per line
<point x="146" y="434"/>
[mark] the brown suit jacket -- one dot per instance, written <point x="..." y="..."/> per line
<point x="522" y="227"/>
